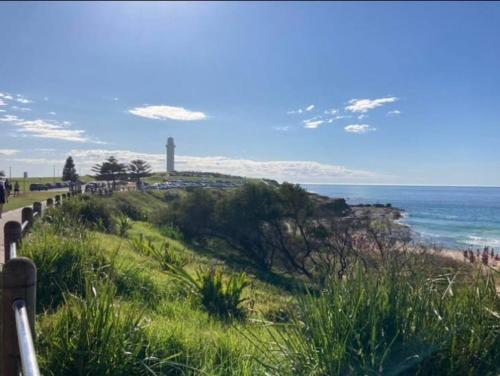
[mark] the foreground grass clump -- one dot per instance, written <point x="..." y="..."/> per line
<point x="393" y="322"/>
<point x="221" y="296"/>
<point x="93" y="336"/>
<point x="63" y="265"/>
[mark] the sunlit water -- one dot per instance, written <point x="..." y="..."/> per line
<point x="451" y="216"/>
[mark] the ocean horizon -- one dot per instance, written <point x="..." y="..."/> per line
<point x="455" y="217"/>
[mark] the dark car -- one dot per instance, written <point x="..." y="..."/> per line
<point x="59" y="185"/>
<point x="38" y="187"/>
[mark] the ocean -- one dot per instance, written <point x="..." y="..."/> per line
<point x="454" y="217"/>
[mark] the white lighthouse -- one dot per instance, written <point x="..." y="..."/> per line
<point x="170" y="154"/>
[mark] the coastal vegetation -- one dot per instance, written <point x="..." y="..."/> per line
<point x="262" y="279"/>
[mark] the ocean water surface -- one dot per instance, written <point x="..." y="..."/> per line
<point x="455" y="217"/>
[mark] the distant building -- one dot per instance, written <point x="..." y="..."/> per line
<point x="170" y="154"/>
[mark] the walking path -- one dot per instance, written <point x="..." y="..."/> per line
<point x="12" y="215"/>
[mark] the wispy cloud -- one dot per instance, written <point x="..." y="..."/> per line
<point x="52" y="113"/>
<point x="364" y="105"/>
<point x="296" y="171"/>
<point x="8" y="152"/>
<point x="21" y="99"/>
<point x="331" y="111"/>
<point x="6" y="96"/>
<point x="2" y="103"/>
<point x="302" y="110"/>
<point x="18" y="98"/>
<point x="313" y="123"/>
<point x="163" y="112"/>
<point x="358" y="128"/>
<point x="282" y="129"/>
<point x="393" y="113"/>
<point x="46" y="129"/>
<point x="21" y="109"/>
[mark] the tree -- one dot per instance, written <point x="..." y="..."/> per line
<point x="138" y="169"/>
<point x="2" y="174"/>
<point x="110" y="169"/>
<point x="69" y="170"/>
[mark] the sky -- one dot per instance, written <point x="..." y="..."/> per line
<point x="309" y="92"/>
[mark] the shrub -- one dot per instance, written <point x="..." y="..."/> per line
<point x="93" y="336"/>
<point x="63" y="265"/>
<point x="163" y="253"/>
<point x="123" y="225"/>
<point x="93" y="212"/>
<point x="219" y="296"/>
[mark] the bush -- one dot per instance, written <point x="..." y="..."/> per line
<point x="93" y="212"/>
<point x="63" y="265"/>
<point x="163" y="253"/>
<point x="123" y="225"/>
<point x="219" y="296"/>
<point x="93" y="336"/>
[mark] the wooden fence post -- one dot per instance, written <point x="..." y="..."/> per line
<point x="58" y="200"/>
<point x="37" y="208"/>
<point x="27" y="215"/>
<point x="19" y="282"/>
<point x="50" y="202"/>
<point x="12" y="233"/>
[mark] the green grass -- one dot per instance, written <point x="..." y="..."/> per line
<point x="27" y="199"/>
<point x="111" y="306"/>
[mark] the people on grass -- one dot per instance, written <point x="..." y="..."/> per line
<point x="3" y="194"/>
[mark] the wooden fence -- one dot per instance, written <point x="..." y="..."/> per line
<point x="19" y="295"/>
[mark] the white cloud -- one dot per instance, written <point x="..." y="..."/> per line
<point x="364" y="105"/>
<point x="52" y="113"/>
<point x="6" y="96"/>
<point x="362" y="116"/>
<point x="167" y="112"/>
<point x="281" y="129"/>
<point x="46" y="129"/>
<point x="394" y="112"/>
<point x="313" y="124"/>
<point x="302" y="110"/>
<point x="359" y="128"/>
<point x="21" y="99"/>
<point x="21" y="109"/>
<point x="296" y="171"/>
<point x="331" y="111"/>
<point x="8" y="152"/>
<point x="2" y="103"/>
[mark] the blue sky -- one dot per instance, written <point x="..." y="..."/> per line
<point x="390" y="93"/>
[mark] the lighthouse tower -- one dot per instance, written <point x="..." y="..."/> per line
<point x="170" y="154"/>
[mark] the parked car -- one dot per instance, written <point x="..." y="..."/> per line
<point x="38" y="187"/>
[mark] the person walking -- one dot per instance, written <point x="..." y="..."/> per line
<point x="3" y="194"/>
<point x="8" y="189"/>
<point x="16" y="189"/>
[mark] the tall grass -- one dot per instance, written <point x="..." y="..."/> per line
<point x="63" y="265"/>
<point x="393" y="323"/>
<point x="93" y="336"/>
<point x="220" y="295"/>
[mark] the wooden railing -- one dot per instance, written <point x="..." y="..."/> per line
<point x="19" y="295"/>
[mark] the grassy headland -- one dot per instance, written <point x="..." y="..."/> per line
<point x="263" y="279"/>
